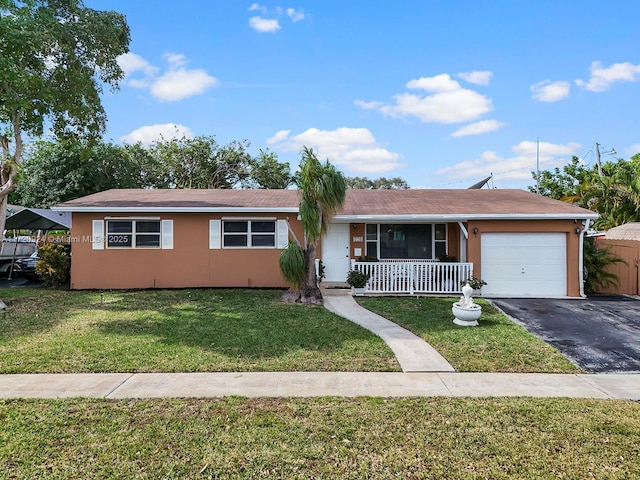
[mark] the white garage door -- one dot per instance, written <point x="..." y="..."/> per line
<point x="524" y="264"/>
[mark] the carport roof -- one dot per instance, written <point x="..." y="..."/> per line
<point x="39" y="219"/>
<point x="360" y="205"/>
<point x="628" y="231"/>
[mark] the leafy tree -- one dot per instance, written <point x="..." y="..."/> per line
<point x="150" y="172"/>
<point x="55" y="56"/>
<point x="615" y="195"/>
<point x="53" y="172"/>
<point x="201" y="163"/>
<point x="322" y="192"/>
<point x="561" y="184"/>
<point x="382" y="183"/>
<point x="267" y="172"/>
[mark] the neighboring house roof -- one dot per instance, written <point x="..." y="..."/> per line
<point x="360" y="205"/>
<point x="628" y="231"/>
<point x="39" y="219"/>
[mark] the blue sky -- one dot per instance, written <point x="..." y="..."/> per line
<point x="440" y="93"/>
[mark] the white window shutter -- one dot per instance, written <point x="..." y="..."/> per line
<point x="167" y="234"/>
<point x="97" y="234"/>
<point x="214" y="234"/>
<point x="283" y="234"/>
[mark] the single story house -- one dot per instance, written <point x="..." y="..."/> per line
<point x="520" y="243"/>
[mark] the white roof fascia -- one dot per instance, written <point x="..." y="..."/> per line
<point x="460" y="218"/>
<point x="176" y="209"/>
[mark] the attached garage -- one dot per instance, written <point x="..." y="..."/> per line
<point x="524" y="264"/>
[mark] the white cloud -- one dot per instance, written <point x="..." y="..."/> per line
<point x="261" y="24"/>
<point x="445" y="107"/>
<point x="175" y="59"/>
<point x="447" y="103"/>
<point x="368" y="105"/>
<point x="353" y="149"/>
<point x="476" y="77"/>
<point x="280" y="136"/>
<point x="139" y="82"/>
<point x="175" y="84"/>
<point x="269" y="20"/>
<point x="295" y="15"/>
<point x="179" y="84"/>
<point x="478" y="128"/>
<point x="132" y="63"/>
<point x="547" y="91"/>
<point x="602" y="78"/>
<point x="515" y="167"/>
<point x="256" y="7"/>
<point x="439" y="83"/>
<point x="150" y="133"/>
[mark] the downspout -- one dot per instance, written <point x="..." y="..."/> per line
<point x="581" y="258"/>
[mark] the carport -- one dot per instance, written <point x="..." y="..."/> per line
<point x="39" y="219"/>
<point x="32" y="219"/>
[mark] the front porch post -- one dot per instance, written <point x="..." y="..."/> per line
<point x="463" y="242"/>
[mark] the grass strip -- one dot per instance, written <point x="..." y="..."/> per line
<point x="497" y="345"/>
<point x="452" y="438"/>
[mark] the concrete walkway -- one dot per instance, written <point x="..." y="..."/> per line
<point x="317" y="384"/>
<point x="413" y="353"/>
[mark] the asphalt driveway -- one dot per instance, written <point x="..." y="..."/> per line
<point x="600" y="334"/>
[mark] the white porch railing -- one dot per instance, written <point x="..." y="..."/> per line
<point x="414" y="276"/>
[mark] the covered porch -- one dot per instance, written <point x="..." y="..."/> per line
<point x="401" y="256"/>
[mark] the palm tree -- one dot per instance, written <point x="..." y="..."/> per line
<point x="614" y="195"/>
<point x="322" y="192"/>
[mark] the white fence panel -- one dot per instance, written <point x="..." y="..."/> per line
<point x="406" y="276"/>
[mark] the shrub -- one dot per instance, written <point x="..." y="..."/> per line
<point x="54" y="265"/>
<point x="357" y="279"/>
<point x="475" y="283"/>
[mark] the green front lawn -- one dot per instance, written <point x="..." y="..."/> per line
<point x="438" y="438"/>
<point x="497" y="345"/>
<point x="57" y="331"/>
<point x="218" y="330"/>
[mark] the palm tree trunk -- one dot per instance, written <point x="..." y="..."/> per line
<point x="309" y="293"/>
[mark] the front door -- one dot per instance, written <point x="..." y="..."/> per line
<point x="335" y="252"/>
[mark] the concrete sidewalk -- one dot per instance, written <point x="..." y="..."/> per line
<point x="413" y="353"/>
<point x="318" y="384"/>
<point x="426" y="374"/>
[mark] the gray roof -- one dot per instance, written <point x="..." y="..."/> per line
<point x="39" y="219"/>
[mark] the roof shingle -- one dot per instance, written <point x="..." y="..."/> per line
<point x="420" y="202"/>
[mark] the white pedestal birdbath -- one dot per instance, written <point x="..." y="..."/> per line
<point x="465" y="311"/>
